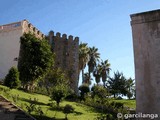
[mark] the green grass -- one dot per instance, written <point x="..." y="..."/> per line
<point x="127" y="103"/>
<point x="82" y="112"/>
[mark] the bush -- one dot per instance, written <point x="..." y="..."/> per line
<point x="67" y="109"/>
<point x="84" y="88"/>
<point x="59" y="92"/>
<point x="12" y="78"/>
<point x="71" y="97"/>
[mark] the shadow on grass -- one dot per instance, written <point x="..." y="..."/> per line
<point x="46" y="118"/>
<point x="89" y="108"/>
<point x="32" y="101"/>
<point x="77" y="113"/>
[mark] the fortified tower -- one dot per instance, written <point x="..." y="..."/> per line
<point x="67" y="55"/>
<point x="10" y="43"/>
<point x="65" y="48"/>
<point x="146" y="43"/>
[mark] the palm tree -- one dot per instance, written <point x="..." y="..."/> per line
<point x="93" y="58"/>
<point x="105" y="68"/>
<point x="97" y="74"/>
<point x="117" y="84"/>
<point x="87" y="79"/>
<point x="83" y="57"/>
<point x="130" y="85"/>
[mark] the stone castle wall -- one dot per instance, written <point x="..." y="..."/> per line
<point x="146" y="42"/>
<point x="28" y="27"/>
<point x="67" y="55"/>
<point x="65" y="48"/>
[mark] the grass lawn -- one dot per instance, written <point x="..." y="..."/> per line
<point x="127" y="103"/>
<point x="82" y="112"/>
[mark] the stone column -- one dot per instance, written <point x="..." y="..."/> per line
<point x="146" y="43"/>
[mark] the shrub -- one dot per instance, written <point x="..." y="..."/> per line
<point x="84" y="88"/>
<point x="58" y="93"/>
<point x="12" y="78"/>
<point x="67" y="109"/>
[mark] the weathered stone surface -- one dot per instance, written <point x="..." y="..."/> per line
<point x="146" y="42"/>
<point x="67" y="55"/>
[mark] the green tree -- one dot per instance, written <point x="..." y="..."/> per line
<point x="67" y="109"/>
<point x="131" y="88"/>
<point x="58" y="93"/>
<point x="83" y="57"/>
<point x="97" y="74"/>
<point x="117" y="84"/>
<point x="105" y="68"/>
<point x="99" y="91"/>
<point x="12" y="78"/>
<point x="35" y="59"/>
<point x="87" y="79"/>
<point x="84" y="88"/>
<point x="53" y="78"/>
<point x="93" y="58"/>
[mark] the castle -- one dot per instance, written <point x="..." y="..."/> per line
<point x="146" y="44"/>
<point x="67" y="57"/>
<point x="65" y="49"/>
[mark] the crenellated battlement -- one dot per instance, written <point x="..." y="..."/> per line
<point x="63" y="36"/>
<point x="23" y="25"/>
<point x="28" y="27"/>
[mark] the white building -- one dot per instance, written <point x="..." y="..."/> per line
<point x="10" y="43"/>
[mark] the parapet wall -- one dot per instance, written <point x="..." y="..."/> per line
<point x="28" y="27"/>
<point x="63" y="37"/>
<point x="10" y="27"/>
<point x="23" y="25"/>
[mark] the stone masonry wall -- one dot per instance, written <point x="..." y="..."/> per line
<point x="67" y="55"/>
<point x="146" y="42"/>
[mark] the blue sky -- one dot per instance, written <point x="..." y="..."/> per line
<point x="101" y="23"/>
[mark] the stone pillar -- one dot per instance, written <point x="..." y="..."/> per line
<point x="146" y="43"/>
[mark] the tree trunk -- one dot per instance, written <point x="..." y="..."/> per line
<point x="82" y="75"/>
<point x="66" y="117"/>
<point x="58" y="103"/>
<point x="114" y="95"/>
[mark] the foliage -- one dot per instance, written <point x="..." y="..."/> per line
<point x="105" y="69"/>
<point x="97" y="74"/>
<point x="105" y="117"/>
<point x="84" y="88"/>
<point x="83" y="57"/>
<point x="35" y="58"/>
<point x="55" y="77"/>
<point x="30" y="108"/>
<point x="12" y="78"/>
<point x="15" y="98"/>
<point x="68" y="109"/>
<point x="99" y="91"/>
<point x="117" y="84"/>
<point x="131" y="88"/>
<point x="87" y="79"/>
<point x="81" y="111"/>
<point x="93" y="58"/>
<point x="108" y="108"/>
<point x="58" y="93"/>
<point x="40" y="89"/>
